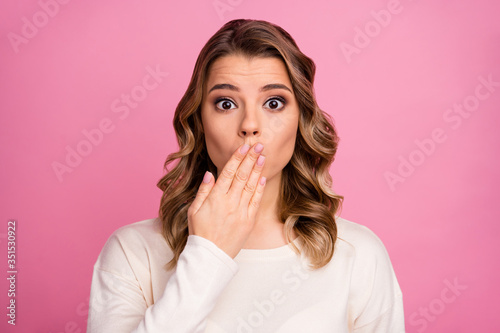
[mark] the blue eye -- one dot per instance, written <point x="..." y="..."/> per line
<point x="275" y="103"/>
<point x="225" y="104"/>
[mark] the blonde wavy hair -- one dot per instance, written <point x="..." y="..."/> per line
<point x="307" y="203"/>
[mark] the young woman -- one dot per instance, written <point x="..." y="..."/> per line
<point x="247" y="239"/>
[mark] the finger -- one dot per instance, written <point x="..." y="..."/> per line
<point x="203" y="192"/>
<point x="252" y="183"/>
<point x="256" y="198"/>
<point x="228" y="173"/>
<point x="242" y="176"/>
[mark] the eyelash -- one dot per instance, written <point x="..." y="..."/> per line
<point x="221" y="99"/>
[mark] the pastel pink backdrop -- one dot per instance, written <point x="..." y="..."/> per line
<point x="396" y="84"/>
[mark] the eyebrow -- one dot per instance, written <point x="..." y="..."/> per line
<point x="267" y="87"/>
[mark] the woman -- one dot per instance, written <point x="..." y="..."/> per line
<point x="247" y="239"/>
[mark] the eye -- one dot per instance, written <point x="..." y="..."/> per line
<point x="275" y="103"/>
<point x="224" y="104"/>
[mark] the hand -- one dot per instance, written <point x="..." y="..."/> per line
<point x="224" y="212"/>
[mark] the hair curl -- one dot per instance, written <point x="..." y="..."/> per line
<point x="307" y="202"/>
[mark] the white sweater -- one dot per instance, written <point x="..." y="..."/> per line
<point x="260" y="290"/>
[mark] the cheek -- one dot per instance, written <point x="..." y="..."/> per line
<point x="219" y="144"/>
<point x="283" y="144"/>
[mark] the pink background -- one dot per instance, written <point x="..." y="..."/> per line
<point x="438" y="220"/>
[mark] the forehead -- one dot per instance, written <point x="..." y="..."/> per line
<point x="239" y="69"/>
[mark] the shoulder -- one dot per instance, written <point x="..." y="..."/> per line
<point x="360" y="237"/>
<point x="371" y="259"/>
<point x="134" y="244"/>
<point x="139" y="231"/>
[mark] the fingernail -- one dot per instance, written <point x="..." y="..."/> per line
<point x="263" y="181"/>
<point x="207" y="177"/>
<point x="244" y="149"/>
<point x="260" y="160"/>
<point x="258" y="148"/>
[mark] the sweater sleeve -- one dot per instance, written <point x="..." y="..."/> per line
<point x="117" y="303"/>
<point x="391" y="320"/>
<point x="376" y="297"/>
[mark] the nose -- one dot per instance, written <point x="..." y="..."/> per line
<point x="250" y="125"/>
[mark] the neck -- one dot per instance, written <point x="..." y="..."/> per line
<point x="268" y="207"/>
<point x="268" y="231"/>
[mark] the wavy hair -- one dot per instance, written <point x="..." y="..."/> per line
<point x="307" y="203"/>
